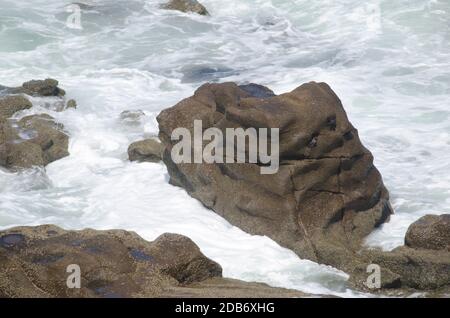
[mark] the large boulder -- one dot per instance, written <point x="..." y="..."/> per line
<point x="39" y="261"/>
<point x="148" y="150"/>
<point x="430" y="232"/>
<point x="186" y="6"/>
<point x="326" y="196"/>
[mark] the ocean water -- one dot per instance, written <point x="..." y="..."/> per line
<point x="389" y="62"/>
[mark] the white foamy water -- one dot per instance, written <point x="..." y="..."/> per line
<point x="389" y="61"/>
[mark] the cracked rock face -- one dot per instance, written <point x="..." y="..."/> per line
<point x="326" y="196"/>
<point x="34" y="262"/>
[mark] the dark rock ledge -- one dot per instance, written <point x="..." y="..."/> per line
<point x="115" y="263"/>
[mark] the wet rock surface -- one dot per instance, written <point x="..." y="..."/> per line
<point x="205" y="73"/>
<point x="115" y="263"/>
<point x="47" y="87"/>
<point x="34" y="140"/>
<point x="148" y="150"/>
<point x="132" y="117"/>
<point x="255" y="90"/>
<point x="9" y="105"/>
<point x="186" y="6"/>
<point x="327" y="195"/>
<point x="71" y="103"/>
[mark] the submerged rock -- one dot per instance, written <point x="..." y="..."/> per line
<point x="148" y="150"/>
<point x="23" y="154"/>
<point x="47" y="87"/>
<point x="186" y="6"/>
<point x="205" y="73"/>
<point x="115" y="263"/>
<point x="255" y="90"/>
<point x="71" y="103"/>
<point x="132" y="117"/>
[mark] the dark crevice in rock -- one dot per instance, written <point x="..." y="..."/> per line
<point x="386" y="212"/>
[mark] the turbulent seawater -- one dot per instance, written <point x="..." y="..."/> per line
<point x="389" y="61"/>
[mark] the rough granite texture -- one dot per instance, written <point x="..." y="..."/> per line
<point x="327" y="195"/>
<point x="115" y="263"/>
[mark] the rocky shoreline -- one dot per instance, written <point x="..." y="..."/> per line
<point x="325" y="199"/>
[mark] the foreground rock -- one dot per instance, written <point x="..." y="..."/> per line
<point x="116" y="263"/>
<point x="186" y="6"/>
<point x="35" y="140"/>
<point x="148" y="150"/>
<point x="326" y="197"/>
